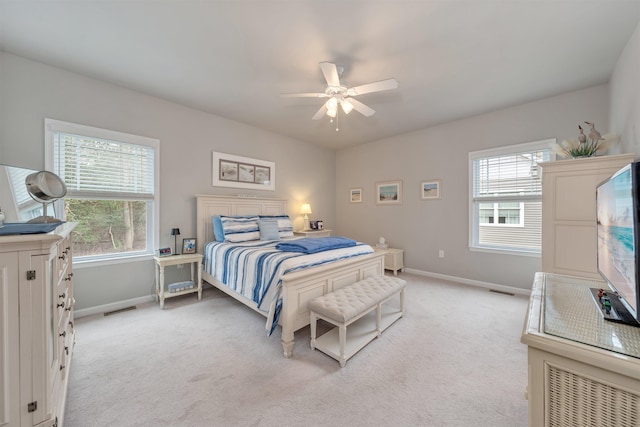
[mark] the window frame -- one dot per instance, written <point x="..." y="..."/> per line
<point x="474" y="223"/>
<point x="52" y="126"/>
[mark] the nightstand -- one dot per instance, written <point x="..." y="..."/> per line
<point x="393" y="259"/>
<point x="161" y="262"/>
<point x="313" y="233"/>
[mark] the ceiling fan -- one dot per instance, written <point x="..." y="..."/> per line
<point x="342" y="95"/>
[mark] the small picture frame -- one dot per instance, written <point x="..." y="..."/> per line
<point x="389" y="193"/>
<point x="430" y="189"/>
<point x="189" y="246"/>
<point x="355" y="195"/>
<point x="164" y="252"/>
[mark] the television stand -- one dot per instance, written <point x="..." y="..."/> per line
<point x="615" y="311"/>
<point x="582" y="370"/>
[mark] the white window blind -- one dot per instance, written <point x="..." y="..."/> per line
<point x="94" y="167"/>
<point x="508" y="177"/>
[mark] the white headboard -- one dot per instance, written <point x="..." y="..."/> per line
<point x="210" y="205"/>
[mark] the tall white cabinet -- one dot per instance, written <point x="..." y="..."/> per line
<point x="36" y="328"/>
<point x="569" y="232"/>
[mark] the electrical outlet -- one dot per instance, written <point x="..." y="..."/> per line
<point x="441" y="253"/>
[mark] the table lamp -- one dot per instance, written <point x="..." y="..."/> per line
<point x="305" y="209"/>
<point x="175" y="232"/>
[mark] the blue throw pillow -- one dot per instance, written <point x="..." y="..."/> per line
<point x="218" y="231"/>
<point x="269" y="229"/>
<point x="285" y="227"/>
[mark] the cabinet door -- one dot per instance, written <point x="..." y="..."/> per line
<point x="37" y="329"/>
<point x="9" y="340"/>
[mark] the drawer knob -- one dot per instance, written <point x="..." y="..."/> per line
<point x="60" y="305"/>
<point x="63" y="334"/>
<point x="62" y="295"/>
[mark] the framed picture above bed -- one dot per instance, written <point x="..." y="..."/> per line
<point x="242" y="172"/>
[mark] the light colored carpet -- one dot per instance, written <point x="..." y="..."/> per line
<point x="455" y="359"/>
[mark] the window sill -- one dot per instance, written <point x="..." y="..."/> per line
<point x="79" y="264"/>
<point x="505" y="252"/>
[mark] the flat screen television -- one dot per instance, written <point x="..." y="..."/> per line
<point x="618" y="229"/>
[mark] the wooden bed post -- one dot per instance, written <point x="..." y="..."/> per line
<point x="287" y="321"/>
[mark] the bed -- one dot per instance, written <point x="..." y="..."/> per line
<point x="297" y="288"/>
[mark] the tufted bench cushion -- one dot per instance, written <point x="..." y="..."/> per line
<point x="352" y="300"/>
<point x="346" y="307"/>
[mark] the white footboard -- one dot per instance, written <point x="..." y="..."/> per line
<point x="300" y="287"/>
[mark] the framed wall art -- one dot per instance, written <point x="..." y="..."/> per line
<point x="355" y="195"/>
<point x="242" y="172"/>
<point x="430" y="189"/>
<point x="389" y="193"/>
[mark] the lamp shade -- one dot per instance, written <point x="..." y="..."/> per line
<point x="305" y="208"/>
<point x="175" y="231"/>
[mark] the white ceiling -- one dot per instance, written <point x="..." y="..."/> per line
<point x="233" y="58"/>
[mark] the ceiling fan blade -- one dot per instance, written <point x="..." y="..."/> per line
<point x="304" y="95"/>
<point x="361" y="108"/>
<point x="330" y="73"/>
<point x="373" y="87"/>
<point x="321" y="112"/>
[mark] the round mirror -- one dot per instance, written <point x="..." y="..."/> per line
<point x="45" y="187"/>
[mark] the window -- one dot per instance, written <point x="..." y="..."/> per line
<point x="507" y="214"/>
<point x="506" y="197"/>
<point x="111" y="180"/>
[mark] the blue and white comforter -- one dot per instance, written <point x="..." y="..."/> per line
<point x="254" y="269"/>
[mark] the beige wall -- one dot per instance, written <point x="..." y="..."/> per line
<point x="423" y="227"/>
<point x="31" y="91"/>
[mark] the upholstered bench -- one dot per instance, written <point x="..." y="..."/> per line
<point x="345" y="306"/>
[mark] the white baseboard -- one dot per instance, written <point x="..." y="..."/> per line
<point x="487" y="285"/>
<point x="101" y="309"/>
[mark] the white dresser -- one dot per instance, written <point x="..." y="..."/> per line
<point x="583" y="370"/>
<point x="569" y="212"/>
<point x="36" y="331"/>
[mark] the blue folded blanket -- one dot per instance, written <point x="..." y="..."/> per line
<point x="309" y="245"/>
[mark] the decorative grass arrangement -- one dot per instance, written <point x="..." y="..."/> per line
<point x="586" y="146"/>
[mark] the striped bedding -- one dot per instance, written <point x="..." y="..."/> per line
<point x="254" y="269"/>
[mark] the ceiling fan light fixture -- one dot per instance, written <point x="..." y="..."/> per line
<point x="347" y="106"/>
<point x="332" y="112"/>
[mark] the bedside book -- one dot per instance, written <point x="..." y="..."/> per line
<point x="180" y="286"/>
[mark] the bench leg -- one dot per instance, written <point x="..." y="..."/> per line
<point x="402" y="302"/>
<point x="379" y="319"/>
<point x="343" y="341"/>
<point x="313" y="324"/>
